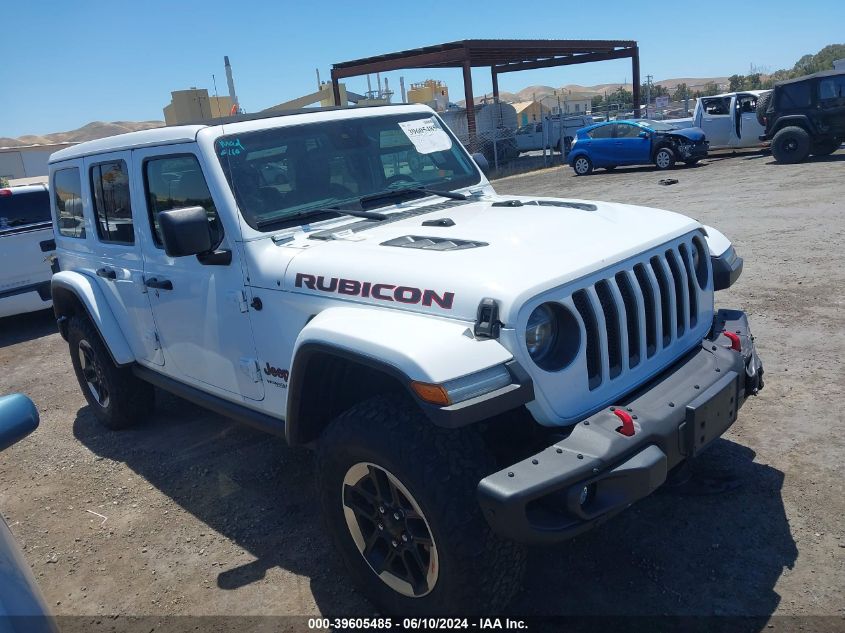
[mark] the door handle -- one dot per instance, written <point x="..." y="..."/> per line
<point x="158" y="284"/>
<point x="106" y="273"/>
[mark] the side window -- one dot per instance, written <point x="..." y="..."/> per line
<point x="176" y="182"/>
<point x="795" y="95"/>
<point x="603" y="131"/>
<point x="110" y="189"/>
<point x="24" y="209"/>
<point x="67" y="196"/>
<point x="832" y="88"/>
<point x="625" y="130"/>
<point x="718" y="106"/>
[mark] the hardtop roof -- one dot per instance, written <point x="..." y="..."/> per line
<point x="171" y="134"/>
<point x="822" y="73"/>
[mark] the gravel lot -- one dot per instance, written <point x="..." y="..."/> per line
<point x="207" y="517"/>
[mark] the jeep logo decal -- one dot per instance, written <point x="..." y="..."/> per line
<point x="275" y="372"/>
<point x="382" y="292"/>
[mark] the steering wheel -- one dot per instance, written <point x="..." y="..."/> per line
<point x="398" y="178"/>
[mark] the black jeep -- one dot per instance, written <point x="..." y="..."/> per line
<point x="804" y="116"/>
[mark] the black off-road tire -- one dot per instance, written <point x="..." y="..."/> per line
<point x="664" y="158"/>
<point x="825" y="148"/>
<point x="122" y="400"/>
<point x="791" y="145"/>
<point x="478" y="573"/>
<point x="762" y="105"/>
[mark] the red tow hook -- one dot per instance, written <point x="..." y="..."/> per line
<point x="627" y="427"/>
<point x="735" y="342"/>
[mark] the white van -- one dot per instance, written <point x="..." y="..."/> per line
<point x="26" y="244"/>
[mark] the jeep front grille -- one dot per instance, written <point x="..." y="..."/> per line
<point x="636" y="318"/>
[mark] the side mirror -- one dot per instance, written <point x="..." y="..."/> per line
<point x="481" y="161"/>
<point x="643" y="134"/>
<point x="18" y="418"/>
<point x="185" y="231"/>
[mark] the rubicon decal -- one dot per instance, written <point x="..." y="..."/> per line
<point x="380" y="291"/>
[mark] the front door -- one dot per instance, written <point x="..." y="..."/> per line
<point x="630" y="147"/>
<point x="199" y="304"/>
<point x="716" y="120"/>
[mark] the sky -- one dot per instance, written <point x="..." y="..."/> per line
<point x="64" y="64"/>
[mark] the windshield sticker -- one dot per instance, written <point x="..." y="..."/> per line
<point x="426" y="135"/>
<point x="230" y="147"/>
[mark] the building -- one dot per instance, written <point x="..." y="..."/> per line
<point x="529" y="112"/>
<point x="431" y="92"/>
<point x="568" y="103"/>
<point x="27" y="161"/>
<point x="191" y="105"/>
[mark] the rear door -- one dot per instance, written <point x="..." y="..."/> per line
<point x="602" y="145"/>
<point x="831" y="103"/>
<point x="115" y="260"/>
<point x="26" y="242"/>
<point x="200" y="304"/>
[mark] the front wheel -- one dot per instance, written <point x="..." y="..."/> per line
<point x="582" y="166"/>
<point x="664" y="158"/>
<point x="398" y="500"/>
<point x="117" y="397"/>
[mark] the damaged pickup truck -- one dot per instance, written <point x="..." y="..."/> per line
<point x="640" y="142"/>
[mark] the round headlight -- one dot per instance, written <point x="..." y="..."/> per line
<point x="541" y="333"/>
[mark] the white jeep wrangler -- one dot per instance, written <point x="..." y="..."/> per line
<point x="475" y="372"/>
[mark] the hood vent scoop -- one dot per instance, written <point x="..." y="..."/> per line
<point x="583" y="206"/>
<point x="439" y="222"/>
<point x="433" y="243"/>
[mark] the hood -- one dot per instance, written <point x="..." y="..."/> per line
<point x="694" y="134"/>
<point x="508" y="253"/>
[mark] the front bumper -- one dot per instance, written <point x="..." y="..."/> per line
<point x="596" y="471"/>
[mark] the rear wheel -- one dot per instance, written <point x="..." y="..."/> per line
<point x="117" y="397"/>
<point x="664" y="158"/>
<point x="825" y="148"/>
<point x="582" y="166"/>
<point x="791" y="145"/>
<point x="398" y="500"/>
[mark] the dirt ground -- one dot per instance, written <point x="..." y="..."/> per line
<point x="204" y="516"/>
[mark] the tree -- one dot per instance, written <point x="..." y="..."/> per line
<point x="597" y="101"/>
<point x="681" y="92"/>
<point x="3" y="182"/>
<point x="735" y="82"/>
<point x="710" y="88"/>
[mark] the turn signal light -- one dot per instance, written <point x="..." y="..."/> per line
<point x="435" y="394"/>
<point x="5" y="192"/>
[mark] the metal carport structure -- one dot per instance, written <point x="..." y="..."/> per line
<point x="502" y="56"/>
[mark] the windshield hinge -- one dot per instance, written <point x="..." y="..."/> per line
<point x="240" y="297"/>
<point x="487" y="323"/>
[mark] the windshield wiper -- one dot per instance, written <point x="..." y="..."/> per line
<point x="401" y="193"/>
<point x="368" y="215"/>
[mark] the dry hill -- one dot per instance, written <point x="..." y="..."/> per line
<point x="89" y="132"/>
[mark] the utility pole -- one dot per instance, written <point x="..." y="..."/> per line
<point x="647" y="93"/>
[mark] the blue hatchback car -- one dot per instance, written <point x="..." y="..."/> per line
<point x="635" y="142"/>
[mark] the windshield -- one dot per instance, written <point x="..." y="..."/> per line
<point x="658" y="126"/>
<point x="282" y="173"/>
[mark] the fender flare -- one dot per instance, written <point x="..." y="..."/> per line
<point x="793" y="120"/>
<point x="405" y="347"/>
<point x="69" y="285"/>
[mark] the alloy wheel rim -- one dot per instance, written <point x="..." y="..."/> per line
<point x="93" y="374"/>
<point x="390" y="530"/>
